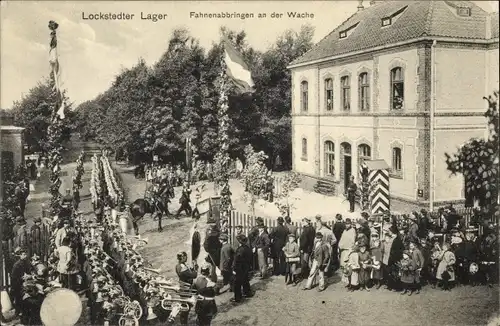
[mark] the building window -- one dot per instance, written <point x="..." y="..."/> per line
<point x="304" y="95"/>
<point x="396" y="162"/>
<point x="329" y="158"/>
<point x="304" y="149"/>
<point x="329" y="94"/>
<point x="397" y="88"/>
<point x="343" y="34"/>
<point x="386" y="22"/>
<point x="364" y="153"/>
<point x="346" y="93"/>
<point x="364" y="92"/>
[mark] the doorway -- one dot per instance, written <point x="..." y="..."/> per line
<point x="345" y="164"/>
<point x="347" y="170"/>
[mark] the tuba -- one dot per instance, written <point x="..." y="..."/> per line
<point x="172" y="304"/>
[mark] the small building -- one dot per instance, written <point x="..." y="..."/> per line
<point x="401" y="81"/>
<point x="11" y="141"/>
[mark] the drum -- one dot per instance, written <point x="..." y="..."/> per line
<point x="61" y="307"/>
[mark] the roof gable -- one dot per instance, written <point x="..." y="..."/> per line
<point x="420" y="18"/>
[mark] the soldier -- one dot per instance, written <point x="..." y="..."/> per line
<point x="185" y="200"/>
<point x="36" y="237"/>
<point x="22" y="238"/>
<point x="351" y="194"/>
<point x="226" y="260"/>
<point x="21" y="268"/>
<point x="205" y="308"/>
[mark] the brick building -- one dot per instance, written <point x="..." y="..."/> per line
<point x="401" y="81"/>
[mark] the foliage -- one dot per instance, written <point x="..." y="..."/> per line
<point x="477" y="160"/>
<point x="254" y="176"/>
<point x="365" y="191"/>
<point x="34" y="113"/>
<point x="284" y="200"/>
<point x="153" y="109"/>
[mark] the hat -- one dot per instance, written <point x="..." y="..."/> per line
<point x="318" y="217"/>
<point x="338" y="216"/>
<point x="348" y="221"/>
<point x="365" y="215"/>
<point x="291" y="235"/>
<point x="224" y="237"/>
<point x="241" y="238"/>
<point x="37" y="219"/>
<point x="281" y="219"/>
<point x="259" y="220"/>
<point x="66" y="222"/>
<point x="239" y="227"/>
<point x="305" y="219"/>
<point x="19" y="251"/>
<point x="261" y="226"/>
<point x="319" y="235"/>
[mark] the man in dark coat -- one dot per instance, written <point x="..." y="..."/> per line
<point x="351" y="194"/>
<point x="261" y="247"/>
<point x="395" y="255"/>
<point x="36" y="237"/>
<point x="241" y="267"/>
<point x="212" y="244"/>
<point x="31" y="305"/>
<point x="279" y="237"/>
<point x="226" y="260"/>
<point x="20" y="192"/>
<point x="252" y="236"/>
<point x="306" y="245"/>
<point x="185" y="201"/>
<point x="412" y="229"/>
<point x="338" y="229"/>
<point x="21" y="268"/>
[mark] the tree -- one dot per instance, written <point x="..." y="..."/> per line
<point x="284" y="199"/>
<point x="477" y="160"/>
<point x="34" y="113"/>
<point x="254" y="176"/>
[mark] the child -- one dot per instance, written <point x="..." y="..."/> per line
<point x="353" y="265"/>
<point x="407" y="273"/>
<point x="364" y="271"/>
<point x="376" y="254"/>
<point x="292" y="255"/>
<point x="445" y="272"/>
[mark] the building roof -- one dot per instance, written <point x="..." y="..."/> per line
<point x="418" y="19"/>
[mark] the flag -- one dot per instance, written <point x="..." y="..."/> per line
<point x="60" y="112"/>
<point x="237" y="69"/>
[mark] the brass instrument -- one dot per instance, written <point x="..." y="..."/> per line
<point x="184" y="305"/>
<point x="157" y="271"/>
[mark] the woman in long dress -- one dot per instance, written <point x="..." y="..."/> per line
<point x="445" y="270"/>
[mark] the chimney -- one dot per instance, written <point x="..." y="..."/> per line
<point x="360" y="5"/>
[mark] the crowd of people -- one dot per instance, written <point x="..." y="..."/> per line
<point x="400" y="253"/>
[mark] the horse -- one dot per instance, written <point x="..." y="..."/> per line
<point x="141" y="207"/>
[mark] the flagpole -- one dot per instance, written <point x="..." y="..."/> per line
<point x="222" y="156"/>
<point x="54" y="132"/>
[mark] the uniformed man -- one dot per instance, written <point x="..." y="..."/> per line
<point x="185" y="200"/>
<point x="184" y="272"/>
<point x="351" y="194"/>
<point x="21" y="268"/>
<point x="205" y="308"/>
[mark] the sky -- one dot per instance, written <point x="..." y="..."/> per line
<point x="93" y="52"/>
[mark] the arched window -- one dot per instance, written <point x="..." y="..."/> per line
<point x="304" y="149"/>
<point x="329" y="158"/>
<point x="304" y="95"/>
<point x="397" y="163"/>
<point x="329" y="94"/>
<point x="364" y="92"/>
<point x="364" y="153"/>
<point x="345" y="87"/>
<point x="397" y="88"/>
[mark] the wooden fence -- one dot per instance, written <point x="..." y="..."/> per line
<point x="7" y="258"/>
<point x="247" y="222"/>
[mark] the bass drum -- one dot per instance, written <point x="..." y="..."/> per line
<point x="61" y="307"/>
